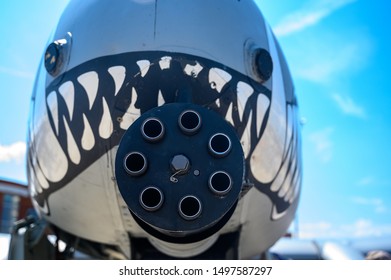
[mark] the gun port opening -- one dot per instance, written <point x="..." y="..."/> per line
<point x="189" y="122"/>
<point x="151" y="199"/>
<point x="220" y="183"/>
<point x="190" y="208"/>
<point x="135" y="164"/>
<point x="152" y="130"/>
<point x="219" y="145"/>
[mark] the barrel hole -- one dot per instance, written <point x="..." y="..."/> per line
<point x="190" y="207"/>
<point x="220" y="183"/>
<point x="152" y="130"/>
<point x="135" y="163"/>
<point x="189" y="122"/>
<point x="219" y="145"/>
<point x="151" y="199"/>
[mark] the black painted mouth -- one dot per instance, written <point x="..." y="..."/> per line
<point x="102" y="97"/>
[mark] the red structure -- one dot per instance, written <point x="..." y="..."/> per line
<point x="15" y="202"/>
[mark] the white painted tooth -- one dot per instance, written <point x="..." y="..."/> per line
<point x="53" y="108"/>
<point x="228" y="116"/>
<point x="218" y="78"/>
<point x="218" y="103"/>
<point x="165" y="62"/>
<point x="73" y="150"/>
<point x="246" y="137"/>
<point x="34" y="186"/>
<point x="289" y="127"/>
<point x="106" y="123"/>
<point x="268" y="153"/>
<point x="90" y="82"/>
<point x="160" y="99"/>
<point x="132" y="109"/>
<point x="279" y="180"/>
<point x="244" y="92"/>
<point x="291" y="191"/>
<point x="296" y="191"/>
<point x="193" y="70"/>
<point x="67" y="91"/>
<point x="287" y="183"/>
<point x="263" y="104"/>
<point x="52" y="161"/>
<point x="45" y="208"/>
<point x="40" y="177"/>
<point x="132" y="113"/>
<point x="276" y="215"/>
<point x="88" y="139"/>
<point x="118" y="73"/>
<point x="144" y="66"/>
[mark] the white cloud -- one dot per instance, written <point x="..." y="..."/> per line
<point x="329" y="58"/>
<point x="308" y="16"/>
<point x="322" y="142"/>
<point x="14" y="152"/>
<point x="366" y="228"/>
<point x="326" y="56"/>
<point x="366" y="181"/>
<point x="357" y="229"/>
<point x="372" y="181"/>
<point x="349" y="107"/>
<point x="377" y="204"/>
<point x="16" y="73"/>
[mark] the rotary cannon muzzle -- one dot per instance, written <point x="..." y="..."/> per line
<point x="180" y="170"/>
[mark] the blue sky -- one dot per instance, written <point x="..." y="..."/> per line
<point x="338" y="53"/>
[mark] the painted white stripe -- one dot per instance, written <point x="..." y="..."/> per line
<point x="40" y="177"/>
<point x="118" y="73"/>
<point x="193" y="70"/>
<point x="279" y="180"/>
<point x="106" y="123"/>
<point x="246" y="137"/>
<point x="269" y="152"/>
<point x="263" y="104"/>
<point x="289" y="127"/>
<point x="244" y="92"/>
<point x="297" y="190"/>
<point x="53" y="108"/>
<point x="88" y="139"/>
<point x="228" y="116"/>
<point x="287" y="184"/>
<point x="67" y="91"/>
<point x="160" y="99"/>
<point x="218" y="78"/>
<point x="291" y="192"/>
<point x="276" y="215"/>
<point x="34" y="186"/>
<point x="144" y="66"/>
<point x="165" y="62"/>
<point x="43" y="209"/>
<point x="53" y="161"/>
<point x="132" y="113"/>
<point x="90" y="82"/>
<point x="218" y="103"/>
<point x="73" y="150"/>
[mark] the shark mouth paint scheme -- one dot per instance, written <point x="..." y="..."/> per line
<point x="89" y="108"/>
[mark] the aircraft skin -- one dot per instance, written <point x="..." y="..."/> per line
<point x="168" y="122"/>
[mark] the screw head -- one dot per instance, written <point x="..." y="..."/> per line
<point x="180" y="164"/>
